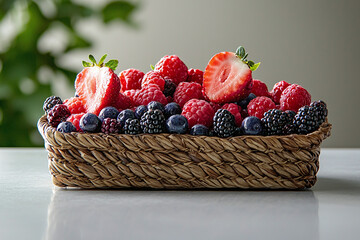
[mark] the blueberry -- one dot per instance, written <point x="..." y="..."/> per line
<point x="199" y="129"/>
<point x="172" y="109"/>
<point x="244" y="102"/>
<point x="251" y="126"/>
<point x="108" y="112"/>
<point x="124" y="115"/>
<point x="66" y="127"/>
<point x="177" y="124"/>
<point x="90" y="123"/>
<point x="155" y="105"/>
<point x="140" y="110"/>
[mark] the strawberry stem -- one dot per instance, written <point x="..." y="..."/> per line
<point x="241" y="53"/>
<point x="112" y="64"/>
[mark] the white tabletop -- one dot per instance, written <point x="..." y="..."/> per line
<point x="32" y="208"/>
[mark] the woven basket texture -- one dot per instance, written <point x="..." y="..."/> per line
<point x="173" y="161"/>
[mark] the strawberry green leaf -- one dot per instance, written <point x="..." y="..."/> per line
<point x="86" y="64"/>
<point x="102" y="59"/>
<point x="240" y="51"/>
<point x="255" y="66"/>
<point x="152" y="67"/>
<point x="92" y="59"/>
<point x="112" y="64"/>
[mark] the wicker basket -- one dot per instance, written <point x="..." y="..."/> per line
<point x="169" y="161"/>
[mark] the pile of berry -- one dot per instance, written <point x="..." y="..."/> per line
<point x="222" y="101"/>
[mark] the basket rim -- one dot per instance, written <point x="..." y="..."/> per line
<point x="324" y="130"/>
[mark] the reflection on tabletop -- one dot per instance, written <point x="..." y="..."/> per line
<point x="195" y="215"/>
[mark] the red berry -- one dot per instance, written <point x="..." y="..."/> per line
<point x="198" y="112"/>
<point x="227" y="78"/>
<point x="294" y="97"/>
<point x="149" y="93"/>
<point x="172" y="67"/>
<point x="58" y="114"/>
<point x="130" y="79"/>
<point x="98" y="86"/>
<point x="123" y="102"/>
<point x="75" y="105"/>
<point x="75" y="119"/>
<point x="195" y="75"/>
<point x="235" y="110"/>
<point x="153" y="78"/>
<point x="215" y="106"/>
<point x="131" y="95"/>
<point x="186" y="91"/>
<point x="259" y="105"/>
<point x="260" y="89"/>
<point x="169" y="99"/>
<point x="277" y="90"/>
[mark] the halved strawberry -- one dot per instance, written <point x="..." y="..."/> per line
<point x="228" y="76"/>
<point x="98" y="85"/>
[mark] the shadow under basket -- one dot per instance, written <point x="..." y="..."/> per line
<point x="182" y="161"/>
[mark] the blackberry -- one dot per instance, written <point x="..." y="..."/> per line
<point x="274" y="121"/>
<point x="50" y="102"/>
<point x="321" y="108"/>
<point x="152" y="121"/>
<point x="224" y="123"/>
<point x="132" y="126"/>
<point x="59" y="113"/>
<point x="289" y="127"/>
<point x="169" y="88"/>
<point x="307" y="120"/>
<point x="110" y="125"/>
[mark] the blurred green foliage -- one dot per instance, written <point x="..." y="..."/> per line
<point x="21" y="59"/>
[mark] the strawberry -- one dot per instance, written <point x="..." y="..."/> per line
<point x="228" y="76"/>
<point x="98" y="85"/>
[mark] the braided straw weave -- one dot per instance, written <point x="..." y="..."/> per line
<point x="182" y="161"/>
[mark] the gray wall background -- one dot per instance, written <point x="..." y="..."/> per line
<point x="311" y="43"/>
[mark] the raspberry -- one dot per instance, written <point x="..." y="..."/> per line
<point x="169" y="88"/>
<point x="198" y="112"/>
<point x="131" y="95"/>
<point x="153" y="78"/>
<point x="130" y="79"/>
<point x="172" y="67"/>
<point x="195" y="75"/>
<point x="235" y="110"/>
<point x="75" y="119"/>
<point x="58" y="114"/>
<point x="294" y="97"/>
<point x="259" y="105"/>
<point x="110" y="125"/>
<point x="277" y="90"/>
<point x="75" y="105"/>
<point x="123" y="101"/>
<point x="259" y="88"/>
<point x="186" y="91"/>
<point x="50" y="102"/>
<point x="169" y="99"/>
<point x="149" y="93"/>
<point x="215" y="106"/>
